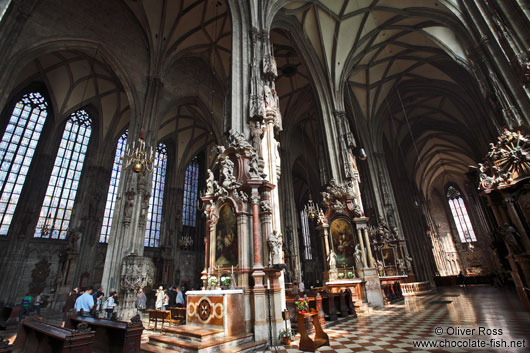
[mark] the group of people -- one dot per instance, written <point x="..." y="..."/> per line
<point x="91" y="303"/>
<point x="172" y="297"/>
<point x="29" y="303"/>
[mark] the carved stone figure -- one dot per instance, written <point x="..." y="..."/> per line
<point x="256" y="133"/>
<point x="510" y="237"/>
<point x="270" y="101"/>
<point x="338" y="206"/>
<point x="210" y="183"/>
<point x="275" y="242"/>
<point x="72" y="239"/>
<point x="408" y="262"/>
<point x="380" y="267"/>
<point x="227" y="168"/>
<point x="332" y="260"/>
<point x="400" y="266"/>
<point x="129" y="204"/>
<point x="358" y="255"/>
<point x="254" y="169"/>
<point x="265" y="206"/>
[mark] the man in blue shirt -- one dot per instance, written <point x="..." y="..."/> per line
<point x="85" y="303"/>
<point x="180" y="298"/>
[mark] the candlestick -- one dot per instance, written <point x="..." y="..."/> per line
<point x="268" y="283"/>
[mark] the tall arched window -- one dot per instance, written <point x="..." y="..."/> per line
<point x="16" y="151"/>
<point x="191" y="185"/>
<point x="57" y="207"/>
<point x="113" y="189"/>
<point x="154" y="216"/>
<point x="460" y="216"/>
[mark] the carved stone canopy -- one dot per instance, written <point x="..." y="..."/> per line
<point x="507" y="162"/>
<point x="380" y="233"/>
<point x="341" y="199"/>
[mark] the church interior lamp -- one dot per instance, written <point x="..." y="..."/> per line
<point x="138" y="157"/>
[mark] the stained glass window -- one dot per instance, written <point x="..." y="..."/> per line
<point x="154" y="216"/>
<point x="60" y="195"/>
<point x="306" y="235"/>
<point x="459" y="212"/>
<point x="191" y="185"/>
<point x="16" y="151"/>
<point x="113" y="189"/>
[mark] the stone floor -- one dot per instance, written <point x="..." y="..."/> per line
<point x="406" y="326"/>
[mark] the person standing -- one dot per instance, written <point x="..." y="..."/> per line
<point x="180" y="298"/>
<point x="111" y="304"/>
<point x="85" y="303"/>
<point x="37" y="303"/>
<point x="166" y="301"/>
<point x="159" y="298"/>
<point x="141" y="301"/>
<point x="26" y="304"/>
<point x="172" y="297"/>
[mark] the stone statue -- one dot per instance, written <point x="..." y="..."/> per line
<point x="275" y="246"/>
<point x="400" y="264"/>
<point x="510" y="237"/>
<point x="254" y="166"/>
<point x="256" y="133"/>
<point x="129" y="204"/>
<point x="72" y="239"/>
<point x="380" y="267"/>
<point x="408" y="261"/>
<point x="227" y="168"/>
<point x="270" y="100"/>
<point x="332" y="260"/>
<point x="210" y="183"/>
<point x="358" y="257"/>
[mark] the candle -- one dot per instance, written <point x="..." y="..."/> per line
<point x="268" y="283"/>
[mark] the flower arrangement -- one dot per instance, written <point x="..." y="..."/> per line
<point x="225" y="280"/>
<point x="341" y="274"/>
<point x="212" y="281"/>
<point x="302" y="306"/>
<point x="350" y="274"/>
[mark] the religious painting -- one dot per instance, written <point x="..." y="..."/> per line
<point x="226" y="239"/>
<point x="389" y="260"/>
<point x="343" y="244"/>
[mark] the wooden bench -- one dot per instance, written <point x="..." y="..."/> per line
<point x="178" y="315"/>
<point x="159" y="315"/>
<point x="111" y="336"/>
<point x="37" y="336"/>
<point x="320" y="338"/>
<point x="328" y="302"/>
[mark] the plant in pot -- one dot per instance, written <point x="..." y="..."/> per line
<point x="341" y="274"/>
<point x="302" y="306"/>
<point x="286" y="335"/>
<point x="350" y="274"/>
<point x="212" y="282"/>
<point x="225" y="281"/>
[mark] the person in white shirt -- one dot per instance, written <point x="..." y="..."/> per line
<point x="111" y="304"/>
<point x="159" y="298"/>
<point x="301" y="287"/>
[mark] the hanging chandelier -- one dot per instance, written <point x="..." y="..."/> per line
<point x="311" y="209"/>
<point x="138" y="157"/>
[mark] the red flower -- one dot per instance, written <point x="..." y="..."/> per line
<point x="302" y="312"/>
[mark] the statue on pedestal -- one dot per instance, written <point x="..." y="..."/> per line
<point x="210" y="182"/>
<point x="358" y="257"/>
<point x="332" y="260"/>
<point x="275" y="242"/>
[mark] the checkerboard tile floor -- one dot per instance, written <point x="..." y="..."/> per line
<point x="396" y="327"/>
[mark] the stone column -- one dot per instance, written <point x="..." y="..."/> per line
<point x="361" y="243"/>
<point x="370" y="261"/>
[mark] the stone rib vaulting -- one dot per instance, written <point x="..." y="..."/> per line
<point x="252" y="152"/>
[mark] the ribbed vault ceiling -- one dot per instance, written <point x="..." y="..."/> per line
<point x="385" y="50"/>
<point x="77" y="78"/>
<point x="177" y="28"/>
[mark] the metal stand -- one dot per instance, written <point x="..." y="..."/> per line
<point x="270" y="344"/>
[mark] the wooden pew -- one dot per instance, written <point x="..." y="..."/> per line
<point x="328" y="302"/>
<point x="37" y="336"/>
<point x="159" y="315"/>
<point x="111" y="336"/>
<point x="341" y="303"/>
<point x="349" y="302"/>
<point x="320" y="338"/>
<point x="178" y="315"/>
